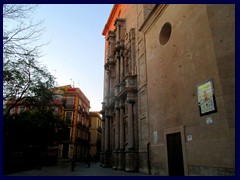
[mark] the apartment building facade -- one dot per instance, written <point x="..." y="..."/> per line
<point x="96" y="135"/>
<point x="75" y="110"/>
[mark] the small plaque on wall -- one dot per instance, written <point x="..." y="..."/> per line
<point x="206" y="98"/>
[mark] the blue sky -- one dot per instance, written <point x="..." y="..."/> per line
<point x="76" y="46"/>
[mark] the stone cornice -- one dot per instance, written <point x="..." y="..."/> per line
<point x="119" y="21"/>
<point x="153" y="16"/>
<point x="110" y="18"/>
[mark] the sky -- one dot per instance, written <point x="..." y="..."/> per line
<point x="75" y="50"/>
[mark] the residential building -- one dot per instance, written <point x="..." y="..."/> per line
<point x="95" y="135"/>
<point x="76" y="112"/>
<point x="169" y="89"/>
<point x="73" y="106"/>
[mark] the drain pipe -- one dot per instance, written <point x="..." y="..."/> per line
<point x="148" y="155"/>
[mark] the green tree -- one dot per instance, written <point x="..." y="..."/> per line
<point x="33" y="127"/>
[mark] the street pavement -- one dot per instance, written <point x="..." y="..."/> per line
<point x="81" y="169"/>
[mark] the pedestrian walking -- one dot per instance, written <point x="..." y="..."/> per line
<point x="73" y="162"/>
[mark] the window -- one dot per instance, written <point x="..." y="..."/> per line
<point x="70" y="102"/>
<point x="165" y="33"/>
<point x="67" y="134"/>
<point x="69" y="116"/>
<point x="70" y="133"/>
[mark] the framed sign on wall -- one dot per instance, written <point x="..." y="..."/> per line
<point x="206" y="98"/>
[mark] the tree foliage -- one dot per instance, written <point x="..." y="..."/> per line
<point x="24" y="78"/>
<point x="33" y="127"/>
<point x="20" y="34"/>
<point x="27" y="83"/>
<point x="30" y="133"/>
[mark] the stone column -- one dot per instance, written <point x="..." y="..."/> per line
<point x="109" y="84"/>
<point x="118" y="68"/>
<point x="102" y="143"/>
<point x="131" y="161"/>
<point x="107" y="153"/>
<point x="117" y="145"/>
<point x="117" y="140"/>
<point x="117" y="57"/>
<point x="121" y="138"/>
<point x="106" y="145"/>
<point x="121" y="128"/>
<point x="130" y="125"/>
<point x="121" y="67"/>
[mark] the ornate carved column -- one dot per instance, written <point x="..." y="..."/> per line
<point x="120" y="34"/>
<point x="107" y="153"/>
<point x="109" y="83"/>
<point x="110" y="65"/>
<point x="121" y="67"/>
<point x="121" y="155"/>
<point x="117" y="141"/>
<point x="117" y="114"/>
<point x="131" y="153"/>
<point x="132" y="45"/>
<point x="130" y="124"/>
<point x="118" y="67"/>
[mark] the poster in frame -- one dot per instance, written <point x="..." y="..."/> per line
<point x="206" y="98"/>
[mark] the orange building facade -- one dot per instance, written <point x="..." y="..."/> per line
<point x="75" y="110"/>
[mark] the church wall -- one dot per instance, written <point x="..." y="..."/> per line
<point x="173" y="72"/>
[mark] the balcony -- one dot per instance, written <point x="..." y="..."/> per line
<point x="109" y="64"/>
<point x="131" y="81"/>
<point x="80" y="109"/>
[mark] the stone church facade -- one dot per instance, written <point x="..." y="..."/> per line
<point x="169" y="89"/>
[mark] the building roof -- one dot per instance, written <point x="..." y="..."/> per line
<point x="95" y="114"/>
<point x="110" y="18"/>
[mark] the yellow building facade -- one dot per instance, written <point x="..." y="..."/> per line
<point x="75" y="112"/>
<point x="95" y="135"/>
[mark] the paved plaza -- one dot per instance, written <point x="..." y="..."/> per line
<point x="81" y="169"/>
